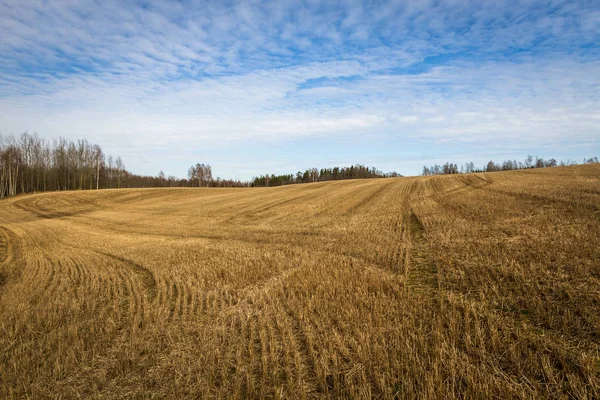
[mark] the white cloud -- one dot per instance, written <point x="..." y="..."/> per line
<point x="203" y="75"/>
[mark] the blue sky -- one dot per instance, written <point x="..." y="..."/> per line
<point x="255" y="87"/>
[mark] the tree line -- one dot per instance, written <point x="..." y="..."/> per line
<point x="357" y="171"/>
<point x="508" y="165"/>
<point x="29" y="164"/>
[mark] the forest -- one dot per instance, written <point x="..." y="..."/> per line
<point x="30" y="164"/>
<point x="357" y="171"/>
<point x="508" y="165"/>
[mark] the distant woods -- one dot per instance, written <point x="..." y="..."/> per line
<point x="508" y="165"/>
<point x="200" y="175"/>
<point x="319" y="175"/>
<point x="29" y="164"/>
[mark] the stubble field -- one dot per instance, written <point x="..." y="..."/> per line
<point x="477" y="286"/>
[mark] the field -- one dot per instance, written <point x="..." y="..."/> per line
<point x="478" y="286"/>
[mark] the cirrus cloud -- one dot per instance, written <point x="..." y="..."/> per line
<point x="155" y="81"/>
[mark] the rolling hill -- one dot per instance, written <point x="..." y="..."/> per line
<point x="478" y="285"/>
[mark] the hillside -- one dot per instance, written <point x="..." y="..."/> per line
<point x="480" y="285"/>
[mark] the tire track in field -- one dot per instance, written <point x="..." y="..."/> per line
<point x="422" y="274"/>
<point x="46" y="275"/>
<point x="11" y="257"/>
<point x="143" y="273"/>
<point x="4" y="247"/>
<point x="293" y="334"/>
<point x="34" y="278"/>
<point x="397" y="256"/>
<point x="369" y="199"/>
<point x="282" y="325"/>
<point x="304" y="360"/>
<point x="11" y="249"/>
<point x="272" y="337"/>
<point x="33" y="206"/>
<point x="258" y="211"/>
<point x="10" y="254"/>
<point x="41" y="273"/>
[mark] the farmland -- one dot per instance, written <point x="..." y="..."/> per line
<point x="480" y="285"/>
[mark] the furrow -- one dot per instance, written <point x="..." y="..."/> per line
<point x="422" y="274"/>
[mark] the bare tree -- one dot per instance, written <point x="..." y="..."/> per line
<point x="110" y="170"/>
<point x="99" y="157"/>
<point x="202" y="173"/>
<point x="120" y="169"/>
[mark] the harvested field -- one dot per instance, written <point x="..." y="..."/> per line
<point x="481" y="285"/>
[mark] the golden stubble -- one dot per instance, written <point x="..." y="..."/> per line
<point x="471" y="286"/>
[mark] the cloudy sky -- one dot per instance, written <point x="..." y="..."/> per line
<point x="254" y="87"/>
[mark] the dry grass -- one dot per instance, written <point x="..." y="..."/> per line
<point x="473" y="286"/>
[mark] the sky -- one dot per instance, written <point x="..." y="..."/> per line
<point x="256" y="87"/>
